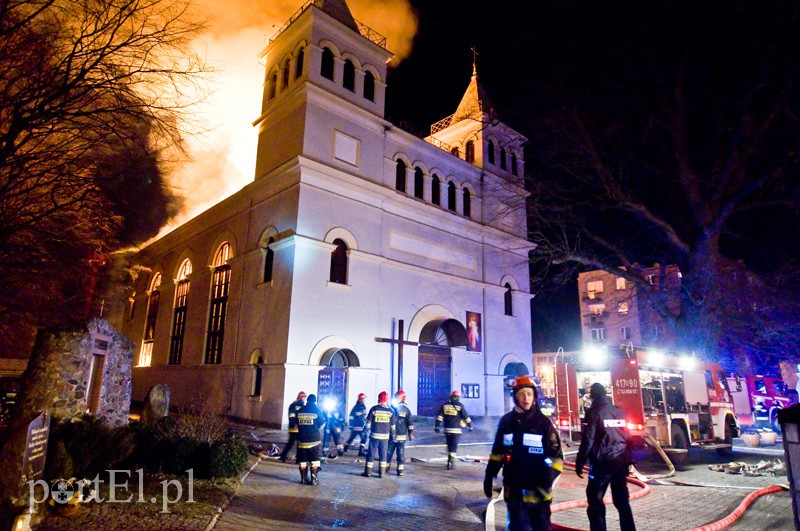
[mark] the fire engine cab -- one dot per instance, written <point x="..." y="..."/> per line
<point x="671" y="401"/>
<point x="757" y="400"/>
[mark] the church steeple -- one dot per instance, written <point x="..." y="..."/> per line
<point x="338" y="9"/>
<point x="475" y="102"/>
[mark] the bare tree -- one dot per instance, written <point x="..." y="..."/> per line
<point x="92" y="97"/>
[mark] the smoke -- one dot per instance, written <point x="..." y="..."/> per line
<point x="223" y="157"/>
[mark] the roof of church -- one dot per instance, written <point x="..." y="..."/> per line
<point x="338" y="9"/>
<point x="475" y="100"/>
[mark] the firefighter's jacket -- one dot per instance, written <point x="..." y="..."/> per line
<point x="528" y="449"/>
<point x="605" y="440"/>
<point x="380" y="422"/>
<point x="404" y="422"/>
<point x="358" y="416"/>
<point x="294" y="407"/>
<point x="453" y="416"/>
<point x="309" y="421"/>
<point x="334" y="421"/>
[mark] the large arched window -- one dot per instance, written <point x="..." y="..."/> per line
<point x="179" y="310"/>
<point x="369" y="86"/>
<point x="419" y="183"/>
<point x="451" y="195"/>
<point x="509" y="305"/>
<point x="470" y="151"/>
<point x="269" y="259"/>
<point x="436" y="191"/>
<point x="490" y="149"/>
<point x="298" y="67"/>
<point x="503" y="158"/>
<point x="146" y="353"/>
<point x="218" y="309"/>
<point x="339" y="262"/>
<point x="273" y="85"/>
<point x="326" y="69"/>
<point x="467" y="203"/>
<point x="287" y="67"/>
<point x="514" y="163"/>
<point x="349" y="78"/>
<point x="400" y="176"/>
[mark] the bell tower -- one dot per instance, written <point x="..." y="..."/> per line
<point x="321" y="64"/>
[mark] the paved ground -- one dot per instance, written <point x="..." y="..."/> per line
<point x="432" y="498"/>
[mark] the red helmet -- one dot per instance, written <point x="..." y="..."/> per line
<point x="523" y="381"/>
<point x="456" y="393"/>
<point x="401" y="395"/>
<point x="361" y="396"/>
<point x="301" y="394"/>
<point x="383" y="397"/>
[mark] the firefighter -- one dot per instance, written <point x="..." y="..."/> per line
<point x="605" y="444"/>
<point x="358" y="416"/>
<point x="294" y="407"/>
<point x="528" y="449"/>
<point x="404" y="429"/>
<point x="309" y="441"/>
<point x="334" y="423"/>
<point x="454" y="416"/>
<point x="380" y="426"/>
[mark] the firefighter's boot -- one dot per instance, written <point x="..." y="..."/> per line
<point x="314" y="474"/>
<point x="346" y="447"/>
<point x="451" y="464"/>
<point x="365" y="473"/>
<point x="304" y="476"/>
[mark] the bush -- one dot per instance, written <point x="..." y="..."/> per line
<point x="228" y="457"/>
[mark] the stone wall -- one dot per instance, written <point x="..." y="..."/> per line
<point x="59" y="376"/>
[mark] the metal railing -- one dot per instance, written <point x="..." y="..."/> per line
<point x="363" y="29"/>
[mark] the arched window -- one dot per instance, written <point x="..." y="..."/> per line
<point x="339" y="358"/>
<point x="369" y="86"/>
<point x="339" y="262"/>
<point x="218" y="309"/>
<point x="257" y="376"/>
<point x="454" y="151"/>
<point x="273" y="85"/>
<point x="451" y="195"/>
<point x="179" y="313"/>
<point x="269" y="259"/>
<point x="400" y="176"/>
<point x="349" y="79"/>
<point x="509" y="306"/>
<point x="514" y="163"/>
<point x="286" y="69"/>
<point x="146" y="353"/>
<point x="470" y="151"/>
<point x="419" y="183"/>
<point x="298" y="67"/>
<point x="503" y="158"/>
<point x="326" y="70"/>
<point x="467" y="203"/>
<point x="490" y="149"/>
<point x="436" y="191"/>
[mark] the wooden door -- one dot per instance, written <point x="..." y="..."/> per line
<point x="434" y="379"/>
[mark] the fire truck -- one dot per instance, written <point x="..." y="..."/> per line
<point x="757" y="400"/>
<point x="672" y="402"/>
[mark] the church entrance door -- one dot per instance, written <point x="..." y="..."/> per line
<point x="434" y="379"/>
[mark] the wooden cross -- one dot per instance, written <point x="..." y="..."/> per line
<point x="474" y="60"/>
<point x="399" y="342"/>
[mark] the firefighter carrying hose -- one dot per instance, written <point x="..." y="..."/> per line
<point x="358" y="416"/>
<point x="605" y="443"/>
<point x="380" y="426"/>
<point x="294" y="407"/>
<point x="309" y="441"/>
<point x="454" y="416"/>
<point x="528" y="449"/>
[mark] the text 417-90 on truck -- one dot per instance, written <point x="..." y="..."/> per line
<point x="670" y="401"/>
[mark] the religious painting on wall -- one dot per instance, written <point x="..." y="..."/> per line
<point x="474" y="332"/>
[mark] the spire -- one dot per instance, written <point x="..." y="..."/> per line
<point x="338" y="9"/>
<point x="475" y="102"/>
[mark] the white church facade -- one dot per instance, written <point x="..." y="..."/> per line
<point x="353" y="232"/>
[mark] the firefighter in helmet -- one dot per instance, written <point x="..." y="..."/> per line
<point x="404" y="429"/>
<point x="528" y="449"/>
<point x="454" y="417"/>
<point x="380" y="427"/>
<point x="309" y="440"/>
<point x="334" y="423"/>
<point x="294" y="407"/>
<point x="358" y="416"/>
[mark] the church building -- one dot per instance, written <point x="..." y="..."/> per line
<point x="361" y="258"/>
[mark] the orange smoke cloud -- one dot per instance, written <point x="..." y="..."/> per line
<point x="223" y="158"/>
